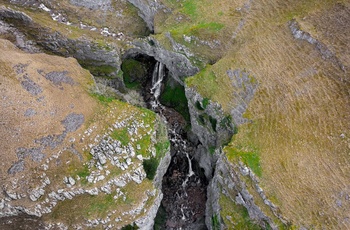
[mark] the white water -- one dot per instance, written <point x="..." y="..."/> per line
<point x="175" y="138"/>
<point x="157" y="78"/>
<point x="190" y="171"/>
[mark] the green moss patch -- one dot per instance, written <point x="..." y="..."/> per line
<point x="134" y="73"/>
<point x="121" y="135"/>
<point x="239" y="217"/>
<point x="248" y="156"/>
<point x="174" y="97"/>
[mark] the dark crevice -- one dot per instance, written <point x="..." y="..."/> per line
<point x="184" y="185"/>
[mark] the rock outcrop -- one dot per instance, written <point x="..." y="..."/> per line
<point x="92" y="151"/>
<point x="147" y="10"/>
<point x="102" y="61"/>
<point x="178" y="64"/>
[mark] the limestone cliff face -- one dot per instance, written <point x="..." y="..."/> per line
<point x="231" y="182"/>
<point x="105" y="60"/>
<point x="147" y="10"/>
<point x="211" y="127"/>
<point x="178" y="64"/>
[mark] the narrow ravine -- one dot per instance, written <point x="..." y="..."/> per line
<point x="184" y="186"/>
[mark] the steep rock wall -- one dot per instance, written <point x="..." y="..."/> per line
<point x="214" y="128"/>
<point x="147" y="10"/>
<point x="178" y="64"/>
<point x="102" y="61"/>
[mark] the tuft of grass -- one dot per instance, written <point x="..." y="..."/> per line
<point x="83" y="173"/>
<point x="102" y="98"/>
<point x="250" y="158"/>
<point x="150" y="166"/>
<point x="215" y="223"/>
<point x="98" y="70"/>
<point x="212" y="150"/>
<point x="205" y="102"/>
<point x="238" y="213"/>
<point x="130" y="227"/>
<point x="121" y="135"/>
<point x="190" y="8"/>
<point x="213" y="122"/>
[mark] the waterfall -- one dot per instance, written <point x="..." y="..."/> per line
<point x="157" y="78"/>
<point x="184" y="191"/>
<point x="190" y="171"/>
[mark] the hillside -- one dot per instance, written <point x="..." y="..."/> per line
<point x="258" y="90"/>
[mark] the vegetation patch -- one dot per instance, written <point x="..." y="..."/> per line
<point x="205" y="102"/>
<point x="199" y="106"/>
<point x="130" y="227"/>
<point x="190" y="8"/>
<point x="174" y="97"/>
<point x="150" y="166"/>
<point x="238" y="215"/>
<point x="121" y="135"/>
<point x="103" y="98"/>
<point x="213" y="122"/>
<point x="98" y="70"/>
<point x="248" y="156"/>
<point x="160" y="220"/>
<point x="82" y="206"/>
<point x="134" y="73"/>
<point x="215" y="223"/>
<point x="212" y="149"/>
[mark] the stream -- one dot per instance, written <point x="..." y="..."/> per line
<point x="184" y="186"/>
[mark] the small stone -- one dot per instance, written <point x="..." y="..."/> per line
<point x="106" y="189"/>
<point x="93" y="192"/>
<point x="47" y="181"/>
<point x="139" y="157"/>
<point x="71" y="181"/>
<point x="102" y="158"/>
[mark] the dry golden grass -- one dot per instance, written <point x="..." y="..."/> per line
<point x="301" y="111"/>
<point x="51" y="107"/>
<point x="100" y="114"/>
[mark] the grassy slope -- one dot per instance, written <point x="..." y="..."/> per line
<point x="299" y="111"/>
<point x="100" y="113"/>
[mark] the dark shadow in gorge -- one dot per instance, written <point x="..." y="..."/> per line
<point x="184" y="184"/>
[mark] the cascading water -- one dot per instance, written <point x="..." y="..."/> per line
<point x="184" y="190"/>
<point x="157" y="79"/>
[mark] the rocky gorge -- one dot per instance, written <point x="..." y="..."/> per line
<point x="152" y="115"/>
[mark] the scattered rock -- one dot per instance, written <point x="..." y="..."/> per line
<point x="93" y="192"/>
<point x="73" y="121"/>
<point x="36" y="194"/>
<point x="16" y="167"/>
